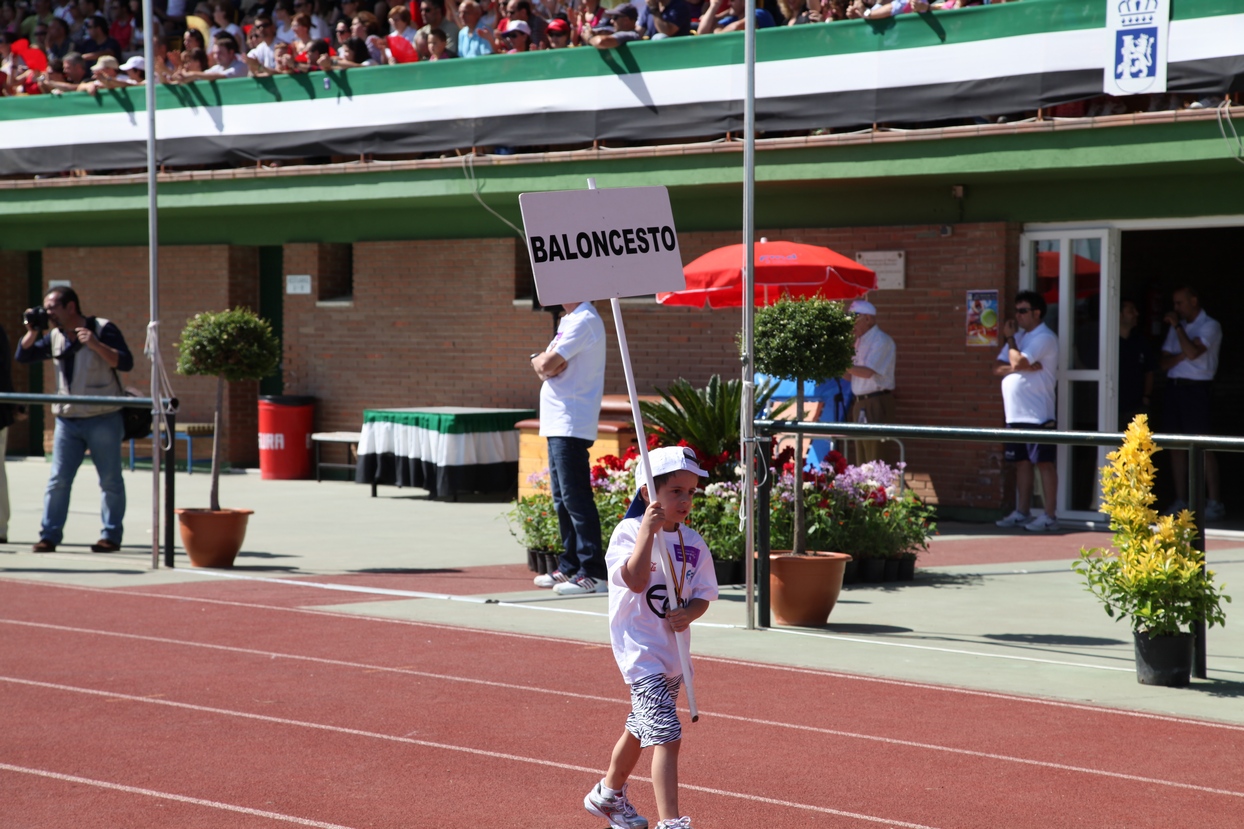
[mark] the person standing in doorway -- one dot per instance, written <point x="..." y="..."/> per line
<point x="573" y="370"/>
<point x="89" y="351"/>
<point x="872" y="377"/>
<point x="1190" y="360"/>
<point x="1137" y="362"/>
<point x="7" y="416"/>
<point x="1027" y="365"/>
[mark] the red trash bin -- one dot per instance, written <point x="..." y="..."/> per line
<point x="285" y="426"/>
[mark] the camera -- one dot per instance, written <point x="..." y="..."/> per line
<point x="36" y="318"/>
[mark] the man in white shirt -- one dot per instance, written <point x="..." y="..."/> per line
<point x="264" y="54"/>
<point x="1027" y="365"/>
<point x="872" y="377"/>
<point x="1190" y="360"/>
<point x="227" y="63"/>
<point x="573" y="370"/>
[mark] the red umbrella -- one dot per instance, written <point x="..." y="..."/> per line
<point x="716" y="278"/>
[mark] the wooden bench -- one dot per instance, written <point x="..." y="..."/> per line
<point x="348" y="439"/>
<point x="185" y="432"/>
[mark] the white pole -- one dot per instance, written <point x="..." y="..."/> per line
<point x="682" y="638"/>
<point x="153" y="249"/>
<point x="749" y="311"/>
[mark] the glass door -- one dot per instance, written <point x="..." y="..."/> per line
<point x="1078" y="274"/>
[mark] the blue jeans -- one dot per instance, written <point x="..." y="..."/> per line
<point x="74" y="435"/>
<point x="570" y="477"/>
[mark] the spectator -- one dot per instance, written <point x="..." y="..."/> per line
<point x="589" y="13"/>
<point x="344" y="12"/>
<point x="194" y="60"/>
<point x="42" y="16"/>
<point x="341" y="34"/>
<point x="7" y="417"/>
<point x="474" y="40"/>
<point x="319" y="28"/>
<point x="76" y="74"/>
<point x="558" y="33"/>
<point x="438" y="45"/>
<point x="665" y="18"/>
<point x="83" y="14"/>
<point x="1137" y="362"/>
<point x="121" y="29"/>
<point x="354" y="54"/>
<point x="135" y="70"/>
<point x="99" y="43"/>
<point x="433" y="13"/>
<point x="517" y="10"/>
<point x="10" y="64"/>
<point x="283" y="16"/>
<point x="226" y="63"/>
<point x="399" y="22"/>
<point x="222" y="21"/>
<point x="262" y="53"/>
<point x="872" y="377"/>
<point x="302" y="34"/>
<point x="138" y="41"/>
<point x="111" y="76"/>
<point x="882" y="10"/>
<point x="57" y="43"/>
<point x="89" y="351"/>
<point x="366" y="28"/>
<point x="727" y="16"/>
<point x="625" y="18"/>
<point x="517" y="36"/>
<point x="193" y="39"/>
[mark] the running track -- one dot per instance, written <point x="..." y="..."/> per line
<point x="239" y="705"/>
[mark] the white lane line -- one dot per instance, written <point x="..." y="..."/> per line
<point x="196" y="801"/>
<point x="495" y="755"/>
<point x="613" y="700"/>
<point x="951" y="689"/>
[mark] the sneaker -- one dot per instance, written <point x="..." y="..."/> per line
<point x="581" y="585"/>
<point x="683" y="822"/>
<point x="547" y="580"/>
<point x="1015" y="519"/>
<point x="1177" y="506"/>
<point x="618" y="810"/>
<point x="1043" y="523"/>
<point x="1215" y="511"/>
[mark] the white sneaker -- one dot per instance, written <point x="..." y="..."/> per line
<point x="1215" y="511"/>
<point x="547" y="580"/>
<point x="1043" y="523"/>
<point x="618" y="810"/>
<point x="581" y="586"/>
<point x="683" y="822"/>
<point x="1015" y="519"/>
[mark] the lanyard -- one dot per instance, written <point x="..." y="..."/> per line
<point x="681" y="580"/>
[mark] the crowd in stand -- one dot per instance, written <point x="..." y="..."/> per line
<point x="55" y="46"/>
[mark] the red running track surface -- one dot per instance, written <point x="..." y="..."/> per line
<point x="160" y="707"/>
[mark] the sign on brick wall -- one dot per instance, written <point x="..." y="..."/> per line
<point x="599" y="244"/>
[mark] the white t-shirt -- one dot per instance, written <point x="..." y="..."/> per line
<point x="1028" y="396"/>
<point x="570" y="402"/>
<point x="875" y="350"/>
<point x="1209" y="332"/>
<point x="237" y="69"/>
<point x="643" y="642"/>
<point x="265" y="54"/>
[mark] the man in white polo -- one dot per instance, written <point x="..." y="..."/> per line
<point x="573" y="370"/>
<point x="872" y="377"/>
<point x="1190" y="360"/>
<point x="1027" y="365"/>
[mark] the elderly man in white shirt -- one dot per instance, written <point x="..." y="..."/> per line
<point x="1190" y="360"/>
<point x="872" y="377"/>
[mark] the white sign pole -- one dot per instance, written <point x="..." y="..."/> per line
<point x="681" y="638"/>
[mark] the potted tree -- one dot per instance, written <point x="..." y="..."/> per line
<point x="230" y="346"/>
<point x="1153" y="576"/>
<point x="804" y="339"/>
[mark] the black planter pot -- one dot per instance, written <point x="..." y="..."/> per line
<point x="533" y="560"/>
<point x="872" y="570"/>
<point x="1163" y="660"/>
<point x="550" y="562"/>
<point x="891" y="569"/>
<point x="852" y="573"/>
<point x="906" y="569"/>
<point x="728" y="572"/>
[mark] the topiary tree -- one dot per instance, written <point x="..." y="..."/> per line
<point x="229" y="345"/>
<point x="804" y="339"/>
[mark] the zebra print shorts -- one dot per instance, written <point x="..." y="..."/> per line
<point x="654" y="715"/>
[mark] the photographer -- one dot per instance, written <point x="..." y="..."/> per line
<point x="88" y="351"/>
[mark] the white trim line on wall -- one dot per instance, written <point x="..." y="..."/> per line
<point x="1139" y="224"/>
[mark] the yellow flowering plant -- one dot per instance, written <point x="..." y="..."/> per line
<point x="1153" y="575"/>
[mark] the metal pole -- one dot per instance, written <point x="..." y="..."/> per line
<point x="749" y="308"/>
<point x="762" y="528"/>
<point x="170" y="466"/>
<point x="153" y="274"/>
<point x="1196" y="502"/>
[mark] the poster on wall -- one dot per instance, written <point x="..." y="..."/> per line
<point x="982" y="321"/>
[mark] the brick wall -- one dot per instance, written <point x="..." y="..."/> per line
<point x="434" y="323"/>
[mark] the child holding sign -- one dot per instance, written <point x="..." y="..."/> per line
<point x="643" y="615"/>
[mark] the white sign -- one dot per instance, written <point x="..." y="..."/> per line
<point x="59" y="283"/>
<point x="1138" y="34"/>
<point x="889" y="265"/>
<point x="600" y="244"/>
<point x="298" y="283"/>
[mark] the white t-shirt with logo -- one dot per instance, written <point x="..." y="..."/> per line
<point x="1028" y="396"/>
<point x="643" y="642"/>
<point x="570" y="402"/>
<point x="1206" y="329"/>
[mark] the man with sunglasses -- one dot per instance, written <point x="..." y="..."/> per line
<point x="264" y="52"/>
<point x="1027" y="365"/>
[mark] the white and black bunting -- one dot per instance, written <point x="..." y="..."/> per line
<point x="979" y="61"/>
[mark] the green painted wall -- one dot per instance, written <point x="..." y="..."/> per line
<point x="1148" y="171"/>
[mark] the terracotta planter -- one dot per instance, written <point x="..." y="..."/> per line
<point x="212" y="538"/>
<point x="804" y="589"/>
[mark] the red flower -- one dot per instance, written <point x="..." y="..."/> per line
<point x="838" y="461"/>
<point x="612" y="462"/>
<point x="877" y="496"/>
<point x="654" y="440"/>
<point x="631" y="453"/>
<point x="598" y="474"/>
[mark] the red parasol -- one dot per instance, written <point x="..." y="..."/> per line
<point x="716" y="278"/>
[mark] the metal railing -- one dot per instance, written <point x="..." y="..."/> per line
<point x="170" y="454"/>
<point x="1196" y="445"/>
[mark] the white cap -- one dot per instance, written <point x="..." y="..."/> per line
<point x="135" y="62"/>
<point x="666" y="459"/>
<point x="517" y="26"/>
<point x="863" y="306"/>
